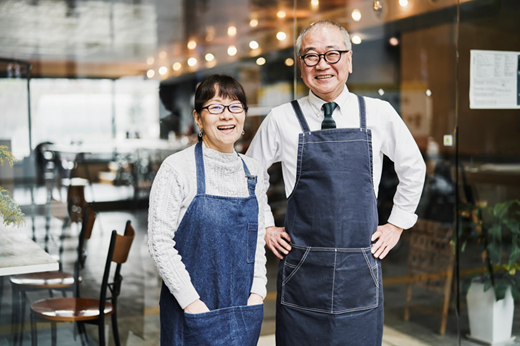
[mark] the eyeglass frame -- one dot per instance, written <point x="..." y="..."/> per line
<point x="224" y="108"/>
<point x="324" y="57"/>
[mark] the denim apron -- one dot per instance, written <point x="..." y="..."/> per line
<point x="217" y="241"/>
<point x="329" y="285"/>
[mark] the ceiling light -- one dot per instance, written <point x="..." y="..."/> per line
<point x="428" y="92"/>
<point x="163" y="70"/>
<point x="177" y="66"/>
<point x="231" y="31"/>
<point x="150" y="60"/>
<point x="150" y="73"/>
<point x="281" y="36"/>
<point x="281" y="14"/>
<point x="253" y="23"/>
<point x="162" y="54"/>
<point x="381" y="92"/>
<point x="209" y="57"/>
<point x="192" y="61"/>
<point x="393" y="41"/>
<point x="356" y="15"/>
<point x="260" y="61"/>
<point x="232" y="50"/>
<point x="314" y="3"/>
<point x="253" y="45"/>
<point x="403" y="3"/>
<point x="192" y="44"/>
<point x="289" y="62"/>
<point x="356" y="39"/>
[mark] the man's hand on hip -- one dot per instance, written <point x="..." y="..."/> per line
<point x="277" y="240"/>
<point x="387" y="237"/>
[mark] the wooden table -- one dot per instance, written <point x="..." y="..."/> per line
<point x="21" y="255"/>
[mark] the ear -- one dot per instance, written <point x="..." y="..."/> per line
<point x="196" y="117"/>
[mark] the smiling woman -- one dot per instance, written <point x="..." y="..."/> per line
<point x="220" y="112"/>
<point x="206" y="228"/>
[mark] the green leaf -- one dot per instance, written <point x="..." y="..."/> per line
<point x="487" y="285"/>
<point x="495" y="252"/>
<point x="515" y="252"/>
<point x="500" y="290"/>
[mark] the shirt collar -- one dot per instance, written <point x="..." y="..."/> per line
<point x="316" y="103"/>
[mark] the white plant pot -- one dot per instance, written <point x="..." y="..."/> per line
<point x="490" y="321"/>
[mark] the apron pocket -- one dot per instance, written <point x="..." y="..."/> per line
<point x="357" y="281"/>
<point x="308" y="277"/>
<point x="252" y="236"/>
<point x="234" y="326"/>
<point x="329" y="280"/>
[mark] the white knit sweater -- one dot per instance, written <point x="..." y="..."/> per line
<point x="173" y="189"/>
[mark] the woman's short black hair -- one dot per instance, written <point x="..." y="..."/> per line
<point x="228" y="87"/>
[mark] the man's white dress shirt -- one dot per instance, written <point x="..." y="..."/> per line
<point x="277" y="141"/>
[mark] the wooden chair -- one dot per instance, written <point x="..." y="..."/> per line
<point x="59" y="280"/>
<point x="430" y="267"/>
<point x="88" y="310"/>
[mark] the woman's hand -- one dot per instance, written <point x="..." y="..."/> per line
<point x="196" y="307"/>
<point x="255" y="299"/>
<point x="278" y="240"/>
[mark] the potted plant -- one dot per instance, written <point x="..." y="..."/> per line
<point x="9" y="209"/>
<point x="491" y="294"/>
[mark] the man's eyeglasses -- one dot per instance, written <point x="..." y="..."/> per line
<point x="331" y="57"/>
<point x="219" y="109"/>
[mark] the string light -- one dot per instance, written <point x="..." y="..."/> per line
<point x="281" y="35"/>
<point x="232" y="50"/>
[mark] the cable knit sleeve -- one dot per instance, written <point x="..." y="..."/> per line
<point x="260" y="275"/>
<point x="163" y="218"/>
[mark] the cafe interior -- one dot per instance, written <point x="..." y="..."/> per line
<point x="95" y="94"/>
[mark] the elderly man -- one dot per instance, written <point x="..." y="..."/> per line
<point x="331" y="145"/>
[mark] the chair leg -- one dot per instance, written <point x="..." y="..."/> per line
<point x="101" y="331"/>
<point x="115" y="329"/>
<point x="15" y="313"/>
<point x="23" y="301"/>
<point x="82" y="334"/>
<point x="53" y="333"/>
<point x="34" y="336"/>
<point x="1" y="292"/>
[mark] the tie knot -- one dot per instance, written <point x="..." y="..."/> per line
<point x="329" y="108"/>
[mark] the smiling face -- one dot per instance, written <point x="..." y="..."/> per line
<point x="220" y="131"/>
<point x="325" y="80"/>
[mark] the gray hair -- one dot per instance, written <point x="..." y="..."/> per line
<point x="318" y="25"/>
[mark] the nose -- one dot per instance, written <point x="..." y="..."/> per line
<point x="226" y="114"/>
<point x="322" y="64"/>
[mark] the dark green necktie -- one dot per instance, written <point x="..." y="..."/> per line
<point x="328" y="122"/>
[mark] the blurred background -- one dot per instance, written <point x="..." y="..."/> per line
<point x="103" y="91"/>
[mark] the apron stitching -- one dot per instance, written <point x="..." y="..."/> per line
<point x="297" y="267"/>
<point x="376" y="281"/>
<point x="333" y="281"/>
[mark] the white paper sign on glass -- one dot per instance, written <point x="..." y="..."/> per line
<point x="494" y="80"/>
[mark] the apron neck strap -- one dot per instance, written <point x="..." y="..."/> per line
<point x="299" y="114"/>
<point x="251" y="179"/>
<point x="201" y="178"/>
<point x="362" y="112"/>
